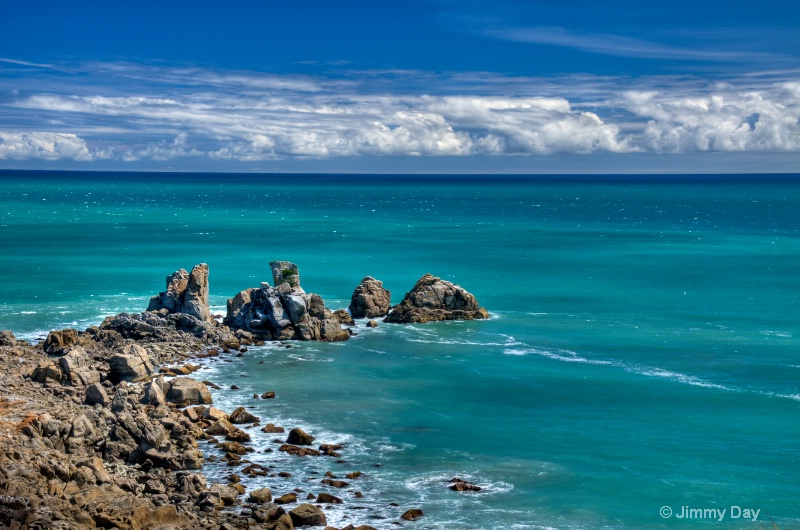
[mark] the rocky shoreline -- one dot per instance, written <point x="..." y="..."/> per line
<point x="103" y="428"/>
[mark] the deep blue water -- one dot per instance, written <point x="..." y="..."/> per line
<point x="643" y="351"/>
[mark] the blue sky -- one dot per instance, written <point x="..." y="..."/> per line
<point x="415" y="86"/>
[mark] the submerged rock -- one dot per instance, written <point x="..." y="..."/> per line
<point x="185" y="293"/>
<point x="283" y="312"/>
<point x="434" y="299"/>
<point x="370" y="299"/>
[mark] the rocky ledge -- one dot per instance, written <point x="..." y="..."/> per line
<point x="434" y="299"/>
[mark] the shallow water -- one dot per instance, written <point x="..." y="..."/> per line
<point x="642" y="351"/>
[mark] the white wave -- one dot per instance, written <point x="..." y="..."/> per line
<point x="564" y="355"/>
<point x="681" y="378"/>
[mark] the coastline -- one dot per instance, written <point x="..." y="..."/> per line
<point x="99" y="488"/>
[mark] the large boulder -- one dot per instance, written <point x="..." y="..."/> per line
<point x="7" y="338"/>
<point x="133" y="364"/>
<point x="78" y="368"/>
<point x="185" y="293"/>
<point x="308" y="515"/>
<point x="186" y="391"/>
<point x="370" y="299"/>
<point x="434" y="299"/>
<point x="59" y="340"/>
<point x="283" y="312"/>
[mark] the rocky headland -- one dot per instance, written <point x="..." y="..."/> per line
<point x="110" y="427"/>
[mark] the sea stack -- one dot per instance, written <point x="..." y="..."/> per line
<point x="370" y="299"/>
<point x="434" y="299"/>
<point x="185" y="293"/>
<point x="283" y="312"/>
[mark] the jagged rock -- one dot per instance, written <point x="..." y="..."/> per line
<point x="285" y="272"/>
<point x="370" y="299"/>
<point x="458" y="484"/>
<point x="78" y="367"/>
<point x="221" y="427"/>
<point x="133" y="364"/>
<point x="154" y="393"/>
<point x="186" y="391"/>
<point x="57" y="341"/>
<point x="226" y="493"/>
<point x="46" y="372"/>
<point x="7" y="339"/>
<point x="186" y="293"/>
<point x="261" y="496"/>
<point x="240" y="415"/>
<point x="344" y="317"/>
<point x="96" y="394"/>
<point x="434" y="299"/>
<point x="308" y="515"/>
<point x="283" y="312"/>
<point x="298" y="436"/>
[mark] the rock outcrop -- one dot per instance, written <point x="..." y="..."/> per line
<point x="434" y="299"/>
<point x="370" y="299"/>
<point x="186" y="293"/>
<point x="283" y="312"/>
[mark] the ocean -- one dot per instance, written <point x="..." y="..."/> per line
<point x="640" y="369"/>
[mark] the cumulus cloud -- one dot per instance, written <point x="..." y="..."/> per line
<point x="43" y="145"/>
<point x="247" y="116"/>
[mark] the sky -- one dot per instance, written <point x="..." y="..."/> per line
<point x="419" y="86"/>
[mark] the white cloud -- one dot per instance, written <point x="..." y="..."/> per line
<point x="247" y="116"/>
<point x="43" y="145"/>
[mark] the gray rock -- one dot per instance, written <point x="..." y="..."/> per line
<point x="154" y="393"/>
<point x="370" y="299"/>
<point x="78" y="367"/>
<point x="285" y="272"/>
<point x="96" y="394"/>
<point x="186" y="391"/>
<point x="185" y="293"/>
<point x="133" y="364"/>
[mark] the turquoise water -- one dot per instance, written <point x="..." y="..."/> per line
<point x="643" y="350"/>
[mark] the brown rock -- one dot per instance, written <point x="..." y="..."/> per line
<point x="298" y="436"/>
<point x="344" y="317"/>
<point x="261" y="496"/>
<point x="370" y="299"/>
<point x="240" y="415"/>
<point x="220" y="427"/>
<point x="286" y="499"/>
<point x="327" y="498"/>
<point x="186" y="391"/>
<point x="308" y="515"/>
<point x="434" y="299"/>
<point x="59" y="340"/>
<point x="268" y="395"/>
<point x="412" y="514"/>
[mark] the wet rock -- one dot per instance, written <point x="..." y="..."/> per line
<point x="308" y="515"/>
<point x="240" y="415"/>
<point x="458" y="484"/>
<point x="335" y="483"/>
<point x="327" y="498"/>
<point x="288" y="498"/>
<point x="261" y="496"/>
<point x="369" y="299"/>
<point x="434" y="299"/>
<point x="298" y="451"/>
<point x="412" y="514"/>
<point x="268" y="395"/>
<point x="271" y="428"/>
<point x="298" y="436"/>
<point x="372" y="324"/>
